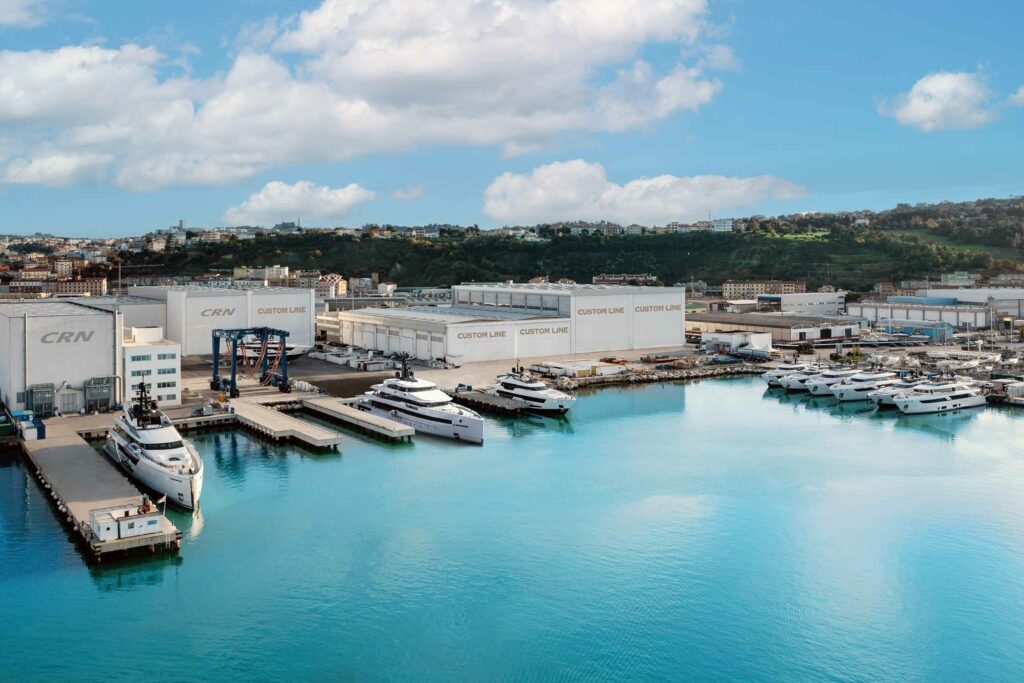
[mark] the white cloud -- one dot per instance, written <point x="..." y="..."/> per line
<point x="55" y="170"/>
<point x="577" y="190"/>
<point x="355" y="77"/>
<point x="278" y="202"/>
<point x="944" y="100"/>
<point x="1018" y="97"/>
<point x="25" y="13"/>
<point x="408" y="194"/>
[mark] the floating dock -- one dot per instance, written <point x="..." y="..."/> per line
<point x="341" y="410"/>
<point x="80" y="480"/>
<point x="258" y="416"/>
<point x="488" y="403"/>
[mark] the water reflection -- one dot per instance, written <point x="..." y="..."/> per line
<point x="234" y="453"/>
<point x="532" y="423"/>
<point x="134" y="573"/>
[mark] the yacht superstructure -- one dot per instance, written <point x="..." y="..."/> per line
<point x="821" y="385"/>
<point x="940" y="397"/>
<point x="421" y="405"/>
<point x="147" y="446"/>
<point x="773" y="377"/>
<point x="857" y="387"/>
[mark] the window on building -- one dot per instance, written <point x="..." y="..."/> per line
<point x="143" y="373"/>
<point x="166" y="385"/>
<point x="166" y="371"/>
<point x="166" y="356"/>
<point x="136" y="359"/>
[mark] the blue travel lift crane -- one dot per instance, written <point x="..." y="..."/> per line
<point x="265" y="336"/>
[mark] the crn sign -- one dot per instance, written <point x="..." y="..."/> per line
<point x="216" y="312"/>
<point x="66" y="337"/>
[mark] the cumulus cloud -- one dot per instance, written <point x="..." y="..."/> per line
<point x="408" y="194"/>
<point x="577" y="190"/>
<point x="944" y="100"/>
<point x="1018" y="97"/>
<point x="351" y="78"/>
<point x="278" y="202"/>
<point x="24" y="13"/>
<point x="55" y="170"/>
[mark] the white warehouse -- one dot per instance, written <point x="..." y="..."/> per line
<point x="507" y="321"/>
<point x="59" y="356"/>
<point x="193" y="312"/>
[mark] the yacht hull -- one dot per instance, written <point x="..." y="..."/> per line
<point x="915" y="406"/>
<point x="181" y="490"/>
<point x="459" y="428"/>
<point x="545" y="407"/>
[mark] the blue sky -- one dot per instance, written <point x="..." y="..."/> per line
<point x="262" y="111"/>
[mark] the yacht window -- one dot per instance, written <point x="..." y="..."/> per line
<point x="960" y="396"/>
<point x="933" y="400"/>
<point x="162" y="446"/>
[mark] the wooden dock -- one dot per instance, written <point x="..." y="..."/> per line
<point x="488" y="403"/>
<point x="341" y="410"/>
<point x="277" y="426"/>
<point x="80" y="480"/>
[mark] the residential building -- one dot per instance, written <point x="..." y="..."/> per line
<point x="748" y="289"/>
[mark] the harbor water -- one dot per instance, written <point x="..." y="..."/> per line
<point x="715" y="530"/>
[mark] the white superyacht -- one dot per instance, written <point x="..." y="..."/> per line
<point x="537" y="396"/>
<point x="143" y="441"/>
<point x="940" y="398"/>
<point x="857" y="387"/>
<point x="422" y="406"/>
<point x="822" y="384"/>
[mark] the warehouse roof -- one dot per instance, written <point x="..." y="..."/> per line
<point x="447" y="314"/>
<point x="768" y="319"/>
<point x="43" y="308"/>
<point x="213" y="291"/>
<point x="120" y="300"/>
<point x="575" y="290"/>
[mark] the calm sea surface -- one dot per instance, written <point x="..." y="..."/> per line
<point x="712" y="530"/>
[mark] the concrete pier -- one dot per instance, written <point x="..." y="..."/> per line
<point x="488" y="403"/>
<point x="80" y="480"/>
<point x="341" y="410"/>
<point x="277" y="426"/>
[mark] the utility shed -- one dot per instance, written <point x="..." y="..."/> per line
<point x="59" y="356"/>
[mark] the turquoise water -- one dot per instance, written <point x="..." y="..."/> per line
<point x="712" y="530"/>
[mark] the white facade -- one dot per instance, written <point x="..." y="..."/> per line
<point x="150" y="358"/>
<point x="960" y="317"/>
<point x="735" y="340"/>
<point x="193" y="313"/>
<point x="62" y="344"/>
<point x="498" y="322"/>
<point x="1006" y="300"/>
<point x="816" y="303"/>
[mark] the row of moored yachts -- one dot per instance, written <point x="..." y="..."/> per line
<point x="913" y="396"/>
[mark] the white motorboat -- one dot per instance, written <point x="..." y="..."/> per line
<point x="821" y="385"/>
<point x="422" y="406"/>
<point x="147" y="446"/>
<point x="252" y="351"/>
<point x="857" y="387"/>
<point x="797" y="381"/>
<point x="940" y="397"/>
<point x="885" y="397"/>
<point x="519" y="385"/>
<point x="773" y="376"/>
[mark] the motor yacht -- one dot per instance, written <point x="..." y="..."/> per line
<point x="821" y="384"/>
<point x="857" y="387"/>
<point x="773" y="376"/>
<point x="519" y="385"/>
<point x="252" y="350"/>
<point x="147" y="446"/>
<point x="421" y="405"/>
<point x="797" y="381"/>
<point x="940" y="397"/>
<point x="885" y="397"/>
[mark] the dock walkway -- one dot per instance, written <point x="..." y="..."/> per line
<point x="81" y="479"/>
<point x="488" y="403"/>
<point x="341" y="410"/>
<point x="278" y="426"/>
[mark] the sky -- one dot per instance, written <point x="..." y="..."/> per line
<point x="120" y="117"/>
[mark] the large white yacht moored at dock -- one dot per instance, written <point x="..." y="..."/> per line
<point x="940" y="397"/>
<point x="821" y="385"/>
<point x="145" y="443"/>
<point x="797" y="381"/>
<point x="885" y="397"/>
<point x="421" y="405"/>
<point x="857" y="387"/>
<point x="519" y="385"/>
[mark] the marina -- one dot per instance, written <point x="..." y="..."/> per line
<point x="341" y="410"/>
<point x="589" y="536"/>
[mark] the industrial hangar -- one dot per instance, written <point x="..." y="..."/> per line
<point x="499" y="321"/>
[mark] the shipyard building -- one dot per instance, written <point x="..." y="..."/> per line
<point x="193" y="312"/>
<point x="59" y="356"/>
<point x="499" y="321"/>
